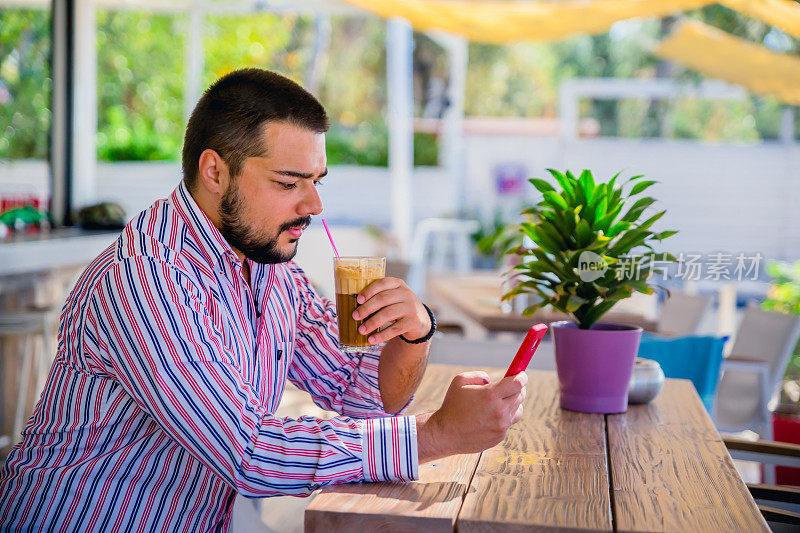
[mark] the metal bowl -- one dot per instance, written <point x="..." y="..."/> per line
<point x="647" y="380"/>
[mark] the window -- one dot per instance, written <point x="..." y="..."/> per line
<point x="25" y="114"/>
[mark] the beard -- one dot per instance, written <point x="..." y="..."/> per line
<point x="244" y="238"/>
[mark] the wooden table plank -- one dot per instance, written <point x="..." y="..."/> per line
<point x="478" y="298"/>
<point x="430" y="504"/>
<point x="549" y="474"/>
<point x="671" y="471"/>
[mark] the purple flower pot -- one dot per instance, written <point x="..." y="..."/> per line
<point x="594" y="365"/>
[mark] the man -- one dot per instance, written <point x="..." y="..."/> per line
<point x="176" y="342"/>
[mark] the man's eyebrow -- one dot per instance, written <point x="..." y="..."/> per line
<point x="293" y="174"/>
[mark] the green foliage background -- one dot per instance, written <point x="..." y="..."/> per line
<point x="24" y="83"/>
<point x="784" y="297"/>
<point x="140" y="85"/>
<point x="141" y="80"/>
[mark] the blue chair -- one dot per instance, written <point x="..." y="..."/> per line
<point x="696" y="358"/>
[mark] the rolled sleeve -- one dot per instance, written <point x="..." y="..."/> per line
<point x="346" y="383"/>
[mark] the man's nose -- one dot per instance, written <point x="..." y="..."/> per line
<point x="312" y="203"/>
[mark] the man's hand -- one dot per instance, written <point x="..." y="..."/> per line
<point x="475" y="415"/>
<point x="387" y="300"/>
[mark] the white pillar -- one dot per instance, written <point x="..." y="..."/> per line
<point x="84" y="121"/>
<point x="726" y="310"/>
<point x="401" y="128"/>
<point x="193" y="60"/>
<point x="452" y="144"/>
<point x="568" y="111"/>
<point x="787" y="125"/>
<point x="61" y="138"/>
<point x="319" y="53"/>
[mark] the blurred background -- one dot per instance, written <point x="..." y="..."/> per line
<point x="439" y="116"/>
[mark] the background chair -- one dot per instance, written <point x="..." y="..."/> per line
<point x="779" y="505"/>
<point x="681" y="314"/>
<point x="754" y="369"/>
<point x="694" y="358"/>
<point x="441" y="244"/>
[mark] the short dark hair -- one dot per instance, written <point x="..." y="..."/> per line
<point x="231" y="114"/>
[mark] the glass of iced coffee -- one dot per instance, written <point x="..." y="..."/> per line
<point x="351" y="275"/>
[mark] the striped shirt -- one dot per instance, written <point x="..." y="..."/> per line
<point x="159" y="406"/>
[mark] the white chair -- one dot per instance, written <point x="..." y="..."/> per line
<point x="440" y="244"/>
<point x="754" y="369"/>
<point x="681" y="314"/>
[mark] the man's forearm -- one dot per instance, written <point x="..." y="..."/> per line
<point x="400" y="371"/>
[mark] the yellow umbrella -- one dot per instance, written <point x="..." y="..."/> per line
<point x="784" y="14"/>
<point x="505" y="22"/>
<point x="720" y="55"/>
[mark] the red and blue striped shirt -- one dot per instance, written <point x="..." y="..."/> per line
<point x="159" y="406"/>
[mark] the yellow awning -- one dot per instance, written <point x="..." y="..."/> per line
<point x="720" y="55"/>
<point x="784" y="14"/>
<point x="501" y="22"/>
<point x="505" y="22"/>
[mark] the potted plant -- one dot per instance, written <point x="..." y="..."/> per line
<point x="592" y="247"/>
<point x="493" y="238"/>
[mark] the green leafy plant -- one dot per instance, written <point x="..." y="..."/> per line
<point x="784" y="296"/>
<point x="591" y="246"/>
<point x="494" y="237"/>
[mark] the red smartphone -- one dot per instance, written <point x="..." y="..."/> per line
<point x="527" y="349"/>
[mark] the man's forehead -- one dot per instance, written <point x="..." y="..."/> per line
<point x="290" y="165"/>
<point x="282" y="128"/>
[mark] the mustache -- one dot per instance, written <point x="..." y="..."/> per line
<point x="298" y="222"/>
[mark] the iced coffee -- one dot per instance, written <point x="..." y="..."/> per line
<point x="351" y="275"/>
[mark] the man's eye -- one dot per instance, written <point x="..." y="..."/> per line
<point x="318" y="183"/>
<point x="287" y="186"/>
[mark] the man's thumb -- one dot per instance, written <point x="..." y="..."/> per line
<point x="475" y="377"/>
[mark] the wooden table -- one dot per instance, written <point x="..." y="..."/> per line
<point x="658" y="467"/>
<point x="478" y="298"/>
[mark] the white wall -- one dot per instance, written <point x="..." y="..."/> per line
<point x="24" y="176"/>
<point x="722" y="197"/>
<point x="350" y="194"/>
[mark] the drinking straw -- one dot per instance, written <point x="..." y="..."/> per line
<point x="328" y="231"/>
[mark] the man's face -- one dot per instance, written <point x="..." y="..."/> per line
<point x="266" y="208"/>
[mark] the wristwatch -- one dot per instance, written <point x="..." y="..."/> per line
<point x="427" y="337"/>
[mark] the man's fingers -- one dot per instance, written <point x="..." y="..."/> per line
<point x="377" y="286"/>
<point x="398" y="328"/>
<point x="511" y="386"/>
<point x="377" y="302"/>
<point x="516" y="400"/>
<point x="517" y="415"/>
<point x="384" y="316"/>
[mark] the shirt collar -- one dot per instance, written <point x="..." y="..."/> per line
<point x="210" y="241"/>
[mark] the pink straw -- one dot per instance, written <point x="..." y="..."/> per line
<point x="328" y="231"/>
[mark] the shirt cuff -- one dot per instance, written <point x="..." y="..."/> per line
<point x="389" y="450"/>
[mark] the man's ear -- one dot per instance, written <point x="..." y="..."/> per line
<point x="212" y="173"/>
